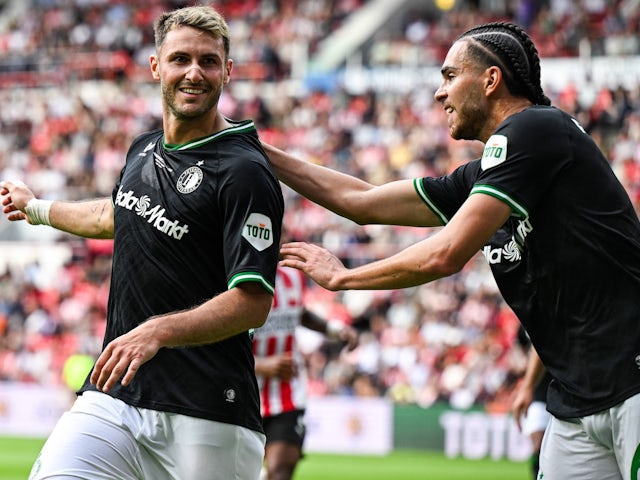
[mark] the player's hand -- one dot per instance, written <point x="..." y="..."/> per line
<point x="16" y="196"/>
<point x="279" y="366"/>
<point x="521" y="401"/>
<point x="122" y="358"/>
<point x="317" y="262"/>
<point x="350" y="336"/>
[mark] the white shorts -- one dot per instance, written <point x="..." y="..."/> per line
<point x="103" y="438"/>
<point x="537" y="418"/>
<point x="602" y="446"/>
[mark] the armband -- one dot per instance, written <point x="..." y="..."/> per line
<point x="38" y="211"/>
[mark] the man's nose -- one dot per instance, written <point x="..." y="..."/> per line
<point x="194" y="73"/>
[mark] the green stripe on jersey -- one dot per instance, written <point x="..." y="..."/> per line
<point x="245" y="126"/>
<point x="250" y="277"/>
<point x="519" y="209"/>
<point x="422" y="193"/>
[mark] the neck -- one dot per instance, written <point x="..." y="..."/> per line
<point x="503" y="109"/>
<point x="181" y="131"/>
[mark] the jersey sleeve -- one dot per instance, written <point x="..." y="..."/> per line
<point x="523" y="157"/>
<point x="445" y="195"/>
<point x="253" y="207"/>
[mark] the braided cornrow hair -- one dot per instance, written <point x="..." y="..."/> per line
<point x="508" y="47"/>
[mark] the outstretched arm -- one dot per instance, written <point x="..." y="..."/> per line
<point x="91" y="219"/>
<point x="438" y="256"/>
<point x="394" y="203"/>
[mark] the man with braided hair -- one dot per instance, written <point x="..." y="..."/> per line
<point x="554" y="223"/>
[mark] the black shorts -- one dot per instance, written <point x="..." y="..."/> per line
<point x="285" y="427"/>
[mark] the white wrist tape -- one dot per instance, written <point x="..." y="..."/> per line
<point x="38" y="211"/>
<point x="334" y="329"/>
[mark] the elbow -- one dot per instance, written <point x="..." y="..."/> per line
<point x="259" y="321"/>
<point x="445" y="266"/>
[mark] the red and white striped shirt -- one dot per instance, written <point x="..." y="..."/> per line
<point x="277" y="336"/>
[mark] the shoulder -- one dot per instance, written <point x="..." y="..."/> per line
<point x="145" y="142"/>
<point x="539" y="130"/>
<point x="151" y="136"/>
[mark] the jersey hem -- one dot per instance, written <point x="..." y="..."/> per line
<point x="250" y="277"/>
<point x="517" y="207"/>
<point x="422" y="193"/>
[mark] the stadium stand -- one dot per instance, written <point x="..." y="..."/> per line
<point x="75" y="89"/>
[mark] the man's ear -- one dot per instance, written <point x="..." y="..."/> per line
<point x="228" y="69"/>
<point x="155" y="67"/>
<point x="492" y="79"/>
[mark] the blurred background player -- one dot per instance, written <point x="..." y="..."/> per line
<point x="530" y="401"/>
<point x="281" y="371"/>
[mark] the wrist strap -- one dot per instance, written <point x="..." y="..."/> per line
<point x="38" y="211"/>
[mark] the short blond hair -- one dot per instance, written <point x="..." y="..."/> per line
<point x="204" y="18"/>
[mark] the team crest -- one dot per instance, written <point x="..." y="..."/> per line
<point x="190" y="180"/>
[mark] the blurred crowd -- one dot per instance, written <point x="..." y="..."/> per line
<point x="453" y="340"/>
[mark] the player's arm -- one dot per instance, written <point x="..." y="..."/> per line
<point x="232" y="312"/>
<point x="533" y="375"/>
<point x="333" y="329"/>
<point x="394" y="203"/>
<point x="440" y="255"/>
<point x="91" y="218"/>
<point x="279" y="366"/>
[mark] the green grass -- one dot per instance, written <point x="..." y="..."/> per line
<point x="407" y="465"/>
<point x="17" y="455"/>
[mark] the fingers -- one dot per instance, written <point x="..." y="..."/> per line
<point x="107" y="370"/>
<point x="112" y="365"/>
<point x="293" y="251"/>
<point x="287" y="367"/>
<point x="15" y="216"/>
<point x="352" y="339"/>
<point x="517" y="414"/>
<point x="6" y="186"/>
<point x="519" y="408"/>
<point x="7" y="189"/>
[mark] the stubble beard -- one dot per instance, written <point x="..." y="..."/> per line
<point x="180" y="112"/>
<point x="471" y="119"/>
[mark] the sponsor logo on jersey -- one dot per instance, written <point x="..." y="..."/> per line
<point x="495" y="151"/>
<point x="190" y="179"/>
<point x="258" y="231"/>
<point x="512" y="250"/>
<point x="153" y="215"/>
<point x="146" y="149"/>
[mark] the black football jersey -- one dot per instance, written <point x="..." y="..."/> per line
<point x="568" y="259"/>
<point x="192" y="221"/>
